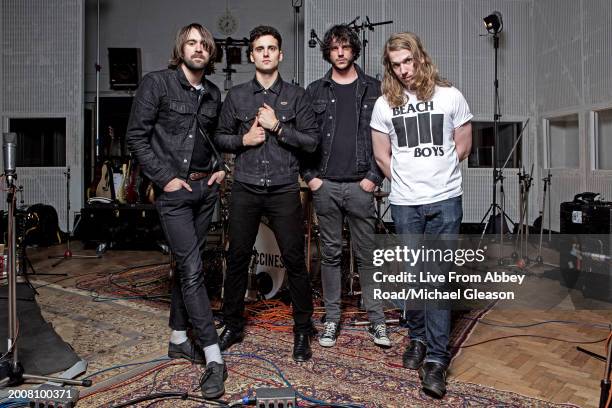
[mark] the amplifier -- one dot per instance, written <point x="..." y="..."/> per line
<point x="120" y="226"/>
<point x="585" y="248"/>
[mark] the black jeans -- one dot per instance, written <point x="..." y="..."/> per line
<point x="185" y="217"/>
<point x="284" y="211"/>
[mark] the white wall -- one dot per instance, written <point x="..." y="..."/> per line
<point x="41" y="76"/>
<point x="572" y="43"/>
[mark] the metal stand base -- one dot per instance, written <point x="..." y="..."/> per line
<point x="14" y="375"/>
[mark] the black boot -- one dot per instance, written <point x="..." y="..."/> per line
<point x="212" y="381"/>
<point x="433" y="379"/>
<point x="414" y="355"/>
<point x="229" y="337"/>
<point x="301" y="347"/>
<point x="187" y="350"/>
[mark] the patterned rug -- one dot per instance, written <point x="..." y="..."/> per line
<point x="134" y="329"/>
<point x="355" y="371"/>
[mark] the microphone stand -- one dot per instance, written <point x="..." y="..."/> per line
<point x="68" y="255"/>
<point x="12" y="368"/>
<point x="362" y="28"/>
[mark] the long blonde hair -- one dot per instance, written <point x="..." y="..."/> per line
<point x="426" y="75"/>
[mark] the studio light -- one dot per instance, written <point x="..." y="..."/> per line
<point x="494" y="23"/>
<point x="314" y="39"/>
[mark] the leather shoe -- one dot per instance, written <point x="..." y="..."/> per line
<point x="187" y="350"/>
<point x="433" y="379"/>
<point x="212" y="380"/>
<point x="229" y="337"/>
<point x="301" y="347"/>
<point x="414" y="354"/>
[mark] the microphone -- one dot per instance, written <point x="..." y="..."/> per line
<point x="9" y="152"/>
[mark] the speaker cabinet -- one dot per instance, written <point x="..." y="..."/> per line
<point x="124" y="66"/>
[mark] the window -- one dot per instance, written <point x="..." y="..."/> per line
<point x="603" y="139"/>
<point x="41" y="142"/>
<point x="562" y="142"/>
<point x="484" y="145"/>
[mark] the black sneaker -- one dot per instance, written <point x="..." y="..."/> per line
<point x="187" y="350"/>
<point x="212" y="380"/>
<point x="378" y="333"/>
<point x="433" y="379"/>
<point x="330" y="334"/>
<point x="414" y="355"/>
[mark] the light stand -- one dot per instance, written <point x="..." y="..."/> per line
<point x="11" y="368"/>
<point x="492" y="207"/>
<point x="296" y="40"/>
<point x="494" y="25"/>
<point x="68" y="253"/>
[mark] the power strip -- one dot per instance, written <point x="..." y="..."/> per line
<point x="275" y="398"/>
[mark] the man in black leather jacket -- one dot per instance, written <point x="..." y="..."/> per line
<point x="268" y="124"/>
<point x="342" y="176"/>
<point x="170" y="132"/>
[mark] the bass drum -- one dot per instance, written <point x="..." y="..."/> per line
<point x="269" y="267"/>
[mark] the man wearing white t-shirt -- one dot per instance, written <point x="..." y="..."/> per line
<point x="421" y="131"/>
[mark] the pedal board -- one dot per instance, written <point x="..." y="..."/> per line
<point x="51" y="396"/>
<point x="275" y="398"/>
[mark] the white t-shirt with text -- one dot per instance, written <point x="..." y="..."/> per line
<point x="424" y="161"/>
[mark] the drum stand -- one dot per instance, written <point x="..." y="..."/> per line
<point x="68" y="255"/>
<point x="379" y="196"/>
<point x="522" y="239"/>
<point x="11" y="368"/>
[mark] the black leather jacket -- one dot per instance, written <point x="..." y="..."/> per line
<point x="274" y="162"/>
<point x="321" y="93"/>
<point x="162" y="126"/>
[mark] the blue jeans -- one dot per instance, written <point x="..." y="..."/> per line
<point x="431" y="325"/>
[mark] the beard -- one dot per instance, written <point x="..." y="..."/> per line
<point x="195" y="66"/>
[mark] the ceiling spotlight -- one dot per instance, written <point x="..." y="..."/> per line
<point x="494" y="23"/>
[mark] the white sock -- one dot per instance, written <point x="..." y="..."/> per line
<point x="178" y="336"/>
<point x="213" y="353"/>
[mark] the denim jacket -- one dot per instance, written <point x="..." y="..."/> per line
<point x="162" y="126"/>
<point x="276" y="161"/>
<point x="322" y="95"/>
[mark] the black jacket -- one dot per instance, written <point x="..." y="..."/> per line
<point x="321" y="93"/>
<point x="162" y="126"/>
<point x="274" y="162"/>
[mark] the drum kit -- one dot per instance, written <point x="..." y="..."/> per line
<point x="267" y="273"/>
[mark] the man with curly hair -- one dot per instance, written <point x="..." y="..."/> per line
<point x="342" y="175"/>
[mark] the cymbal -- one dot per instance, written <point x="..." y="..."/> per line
<point x="381" y="194"/>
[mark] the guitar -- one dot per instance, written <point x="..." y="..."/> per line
<point x="105" y="187"/>
<point x="121" y="179"/>
<point x="132" y="195"/>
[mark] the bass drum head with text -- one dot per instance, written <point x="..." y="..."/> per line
<point x="270" y="269"/>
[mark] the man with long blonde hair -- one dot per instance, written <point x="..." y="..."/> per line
<point x="421" y="131"/>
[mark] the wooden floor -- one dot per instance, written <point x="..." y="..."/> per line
<point x="545" y="368"/>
